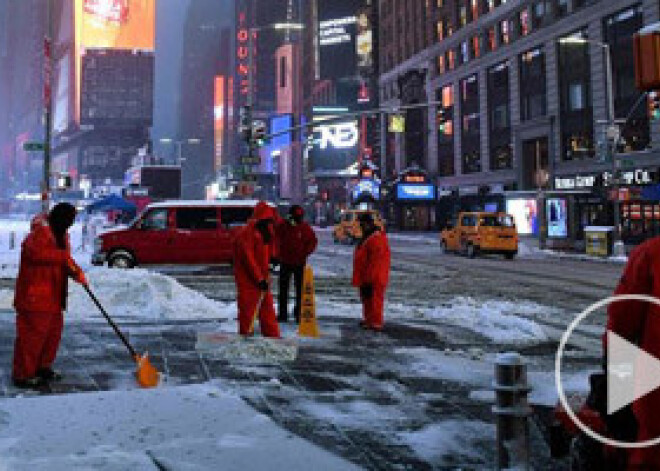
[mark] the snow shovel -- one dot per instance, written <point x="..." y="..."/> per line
<point x="146" y="374"/>
<point x="256" y="312"/>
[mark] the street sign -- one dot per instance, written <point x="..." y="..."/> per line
<point x="34" y="146"/>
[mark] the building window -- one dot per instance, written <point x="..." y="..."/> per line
<point x="282" y="72"/>
<point x="440" y="29"/>
<point x="618" y="33"/>
<point x="470" y="122"/>
<point x="501" y="150"/>
<point x="576" y="114"/>
<point x="441" y="64"/>
<point x="451" y="59"/>
<point x="524" y="27"/>
<point x="533" y="101"/>
<point x="445" y="96"/>
<point x="561" y="8"/>
<point x="476" y="47"/>
<point x="465" y="53"/>
<point x="491" y="39"/>
<point x="505" y="33"/>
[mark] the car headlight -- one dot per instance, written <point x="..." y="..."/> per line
<point x="98" y="244"/>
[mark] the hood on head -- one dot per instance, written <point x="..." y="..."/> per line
<point x="262" y="211"/>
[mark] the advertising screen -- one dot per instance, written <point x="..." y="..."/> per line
<point x="335" y="144"/>
<point x="116" y="24"/>
<point x="366" y="187"/>
<point x="111" y="24"/>
<point x="557" y="216"/>
<point x="524" y="211"/>
<point x="409" y="191"/>
<point x="337" y="41"/>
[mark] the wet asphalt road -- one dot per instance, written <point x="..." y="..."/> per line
<point x="356" y="393"/>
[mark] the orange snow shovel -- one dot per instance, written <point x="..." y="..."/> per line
<point x="256" y="312"/>
<point x="146" y="374"/>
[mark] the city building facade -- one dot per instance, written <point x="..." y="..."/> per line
<point x="517" y="93"/>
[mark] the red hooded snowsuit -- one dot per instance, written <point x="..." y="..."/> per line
<point x="40" y="298"/>
<point x="371" y="266"/>
<point x="639" y="323"/>
<point x="251" y="261"/>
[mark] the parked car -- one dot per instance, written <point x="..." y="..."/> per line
<point x="175" y="232"/>
<point x="475" y="233"/>
<point x="348" y="230"/>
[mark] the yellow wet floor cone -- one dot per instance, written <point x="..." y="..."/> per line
<point x="308" y="326"/>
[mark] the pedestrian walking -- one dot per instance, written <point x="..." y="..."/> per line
<point x="41" y="295"/>
<point x="253" y="247"/>
<point x="371" y="272"/>
<point x="639" y="323"/>
<point x="296" y="242"/>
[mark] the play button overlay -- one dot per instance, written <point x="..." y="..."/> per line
<point x="632" y="373"/>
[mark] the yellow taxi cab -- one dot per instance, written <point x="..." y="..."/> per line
<point x="348" y="230"/>
<point x="481" y="232"/>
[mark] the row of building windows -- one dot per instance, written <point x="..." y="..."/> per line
<point x="576" y="123"/>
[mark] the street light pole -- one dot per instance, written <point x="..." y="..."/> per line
<point x="48" y="118"/>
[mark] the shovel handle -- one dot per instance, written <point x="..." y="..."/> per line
<point x="111" y="322"/>
<point x="256" y="312"/>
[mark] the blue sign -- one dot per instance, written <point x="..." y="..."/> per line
<point x="410" y="191"/>
<point x="369" y="187"/>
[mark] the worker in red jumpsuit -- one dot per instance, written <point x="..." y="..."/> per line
<point x="40" y="296"/>
<point x="639" y="323"/>
<point x="296" y="242"/>
<point x="252" y="254"/>
<point x="371" y="272"/>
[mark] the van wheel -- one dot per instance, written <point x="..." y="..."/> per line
<point x="335" y="239"/>
<point x="510" y="256"/>
<point x="121" y="260"/>
<point x="443" y="247"/>
<point x="471" y="251"/>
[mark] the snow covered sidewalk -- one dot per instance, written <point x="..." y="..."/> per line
<point x="184" y="428"/>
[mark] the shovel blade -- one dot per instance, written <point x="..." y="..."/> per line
<point x="146" y="374"/>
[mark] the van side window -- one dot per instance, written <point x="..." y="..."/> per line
<point x="196" y="218"/>
<point x="155" y="220"/>
<point x="236" y="216"/>
<point x="469" y="221"/>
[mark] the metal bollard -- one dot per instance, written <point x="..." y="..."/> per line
<point x="12" y="240"/>
<point x="512" y="411"/>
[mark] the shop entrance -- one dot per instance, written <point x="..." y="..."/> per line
<point x="417" y="218"/>
<point x="535" y="161"/>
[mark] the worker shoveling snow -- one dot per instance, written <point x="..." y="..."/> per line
<point x="246" y="349"/>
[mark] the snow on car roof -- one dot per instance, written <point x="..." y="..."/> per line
<point x="207" y="203"/>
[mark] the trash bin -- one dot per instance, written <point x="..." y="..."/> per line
<point x="599" y="240"/>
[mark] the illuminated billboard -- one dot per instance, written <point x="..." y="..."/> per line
<point x="219" y="120"/>
<point x="116" y="24"/>
<point x="112" y="24"/>
<point x="337" y="38"/>
<point x="336" y="143"/>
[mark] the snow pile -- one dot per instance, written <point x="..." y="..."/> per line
<point x="142" y="294"/>
<point x="184" y="428"/>
<point x="462" y="441"/>
<point x="354" y="414"/>
<point x="499" y="321"/>
<point x="255" y="349"/>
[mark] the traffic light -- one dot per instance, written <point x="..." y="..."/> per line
<point x="654" y="105"/>
<point x="245" y="125"/>
<point x="441" y="120"/>
<point x="259" y="132"/>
